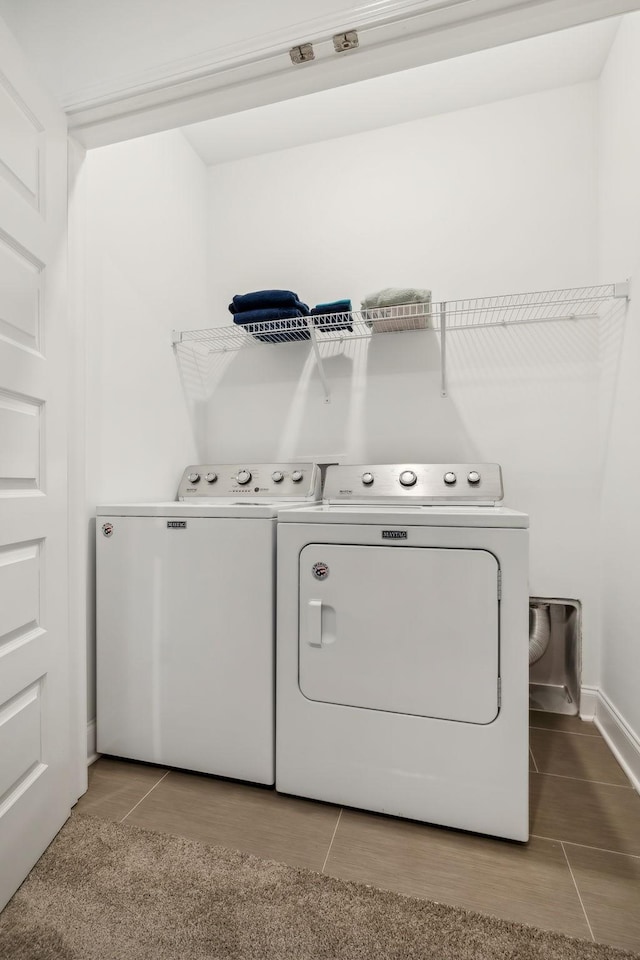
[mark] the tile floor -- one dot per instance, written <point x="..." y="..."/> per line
<point x="579" y="874"/>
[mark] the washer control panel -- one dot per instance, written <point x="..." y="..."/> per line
<point x="421" y="483"/>
<point x="251" y="481"/>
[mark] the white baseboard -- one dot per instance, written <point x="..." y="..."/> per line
<point x="588" y="702"/>
<point x="92" y="755"/>
<point x="623" y="742"/>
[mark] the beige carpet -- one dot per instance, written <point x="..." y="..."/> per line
<point x="105" y="891"/>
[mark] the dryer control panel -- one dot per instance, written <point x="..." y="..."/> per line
<point x="251" y="481"/>
<point x="415" y="483"/>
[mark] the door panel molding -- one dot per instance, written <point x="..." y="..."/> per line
<point x="21" y="150"/>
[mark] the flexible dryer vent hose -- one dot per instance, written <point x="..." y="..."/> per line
<point x="539" y="630"/>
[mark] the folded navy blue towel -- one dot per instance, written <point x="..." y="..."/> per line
<point x="287" y="324"/>
<point x="336" y="306"/>
<point x="266" y="313"/>
<point x="260" y="299"/>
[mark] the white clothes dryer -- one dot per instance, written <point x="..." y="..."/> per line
<point x="402" y="647"/>
<point x="186" y="620"/>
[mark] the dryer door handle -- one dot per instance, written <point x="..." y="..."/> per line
<point x="314" y="623"/>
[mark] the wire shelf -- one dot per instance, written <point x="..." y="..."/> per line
<point x="331" y="326"/>
<point x="547" y="306"/>
<point x="574" y="303"/>
<point x="519" y="308"/>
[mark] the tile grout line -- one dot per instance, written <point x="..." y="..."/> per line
<point x="569" y="733"/>
<point x="601" y="783"/>
<point x="332" y="839"/>
<point x="535" y="765"/>
<point x="573" y="843"/>
<point x="577" y="891"/>
<point x="145" y="797"/>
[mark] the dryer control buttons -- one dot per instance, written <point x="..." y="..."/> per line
<point x="474" y="477"/>
<point x="211" y="477"/>
<point x="408" y="478"/>
<point x="193" y="477"/>
<point x="367" y="479"/>
<point x="277" y="476"/>
<point x="243" y="477"/>
<point x="450" y="477"/>
<point x="296" y="476"/>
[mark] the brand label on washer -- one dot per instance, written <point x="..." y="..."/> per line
<point x="107" y="529"/>
<point x="177" y="524"/>
<point x="394" y="534"/>
<point x="320" y="571"/>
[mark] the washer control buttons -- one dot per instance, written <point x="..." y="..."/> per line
<point x="277" y="476"/>
<point x="408" y="478"/>
<point x="193" y="477"/>
<point x="296" y="476"/>
<point x="450" y="477"/>
<point x="211" y="477"/>
<point x="367" y="479"/>
<point x="474" y="477"/>
<point x="243" y="477"/>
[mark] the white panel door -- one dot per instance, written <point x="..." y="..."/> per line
<point x="34" y="647"/>
<point x="410" y="630"/>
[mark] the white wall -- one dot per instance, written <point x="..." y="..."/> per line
<point x="619" y="255"/>
<point x="466" y="201"/>
<point x="495" y="199"/>
<point x="147" y="269"/>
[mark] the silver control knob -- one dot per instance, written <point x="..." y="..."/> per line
<point x="193" y="477"/>
<point x="408" y="478"/>
<point x="211" y="477"/>
<point x="277" y="476"/>
<point x="243" y="477"/>
<point x="367" y="479"/>
<point x="450" y="477"/>
<point x="296" y="476"/>
<point x="474" y="477"/>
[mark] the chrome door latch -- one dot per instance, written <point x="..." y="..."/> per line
<point x="302" y="53"/>
<point x="345" y="41"/>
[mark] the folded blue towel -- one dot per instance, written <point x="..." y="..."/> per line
<point x="290" y="323"/>
<point x="267" y="313"/>
<point x="260" y="299"/>
<point x="337" y="307"/>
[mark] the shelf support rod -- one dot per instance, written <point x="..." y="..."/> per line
<point x="316" y="350"/>
<point x="443" y="349"/>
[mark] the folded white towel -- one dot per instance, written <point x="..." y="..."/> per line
<point x="392" y="296"/>
<point x="397" y="308"/>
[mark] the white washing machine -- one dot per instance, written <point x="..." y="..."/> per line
<point x="402" y="647"/>
<point x="186" y="620"/>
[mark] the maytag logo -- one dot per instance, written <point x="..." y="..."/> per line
<point x="394" y="534"/>
<point x="177" y="524"/>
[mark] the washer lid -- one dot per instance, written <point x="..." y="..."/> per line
<point x="200" y="508"/>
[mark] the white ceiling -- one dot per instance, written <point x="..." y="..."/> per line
<point x="558" y="59"/>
